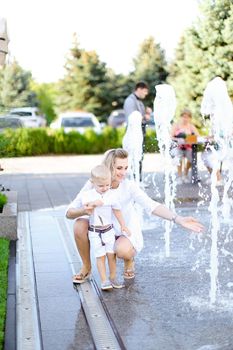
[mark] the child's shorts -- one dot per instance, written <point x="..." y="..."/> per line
<point x="101" y="241"/>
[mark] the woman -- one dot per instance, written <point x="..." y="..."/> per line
<point x="129" y="193"/>
<point x="179" y="132"/>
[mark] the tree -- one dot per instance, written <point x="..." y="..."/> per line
<point x="151" y="66"/>
<point x="15" y="88"/>
<point x="120" y="86"/>
<point x="85" y="83"/>
<point x="46" y="94"/>
<point x="205" y="51"/>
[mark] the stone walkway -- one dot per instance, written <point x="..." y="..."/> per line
<point x="167" y="307"/>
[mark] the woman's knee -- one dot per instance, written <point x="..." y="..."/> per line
<point x="81" y="229"/>
<point x="124" y="248"/>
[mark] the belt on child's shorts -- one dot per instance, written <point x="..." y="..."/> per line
<point x="100" y="230"/>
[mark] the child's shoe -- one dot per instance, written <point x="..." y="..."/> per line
<point x="106" y="285"/>
<point x="116" y="284"/>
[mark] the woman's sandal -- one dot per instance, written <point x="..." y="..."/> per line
<point x="129" y="271"/>
<point x="80" y="277"/>
<point x="129" y="274"/>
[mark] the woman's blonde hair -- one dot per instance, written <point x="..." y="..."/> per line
<point x="111" y="155"/>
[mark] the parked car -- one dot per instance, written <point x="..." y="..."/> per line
<point x="78" y="121"/>
<point x="151" y="122"/>
<point x="10" y="122"/>
<point x="31" y="116"/>
<point x="117" y="118"/>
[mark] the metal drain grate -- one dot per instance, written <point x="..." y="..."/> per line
<point x="100" y="326"/>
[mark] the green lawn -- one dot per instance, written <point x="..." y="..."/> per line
<point x="4" y="255"/>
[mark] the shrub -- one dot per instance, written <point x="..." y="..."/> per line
<point x="3" y="201"/>
<point x="32" y="142"/>
<point x="151" y="143"/>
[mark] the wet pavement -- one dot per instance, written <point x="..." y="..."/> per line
<point x="167" y="306"/>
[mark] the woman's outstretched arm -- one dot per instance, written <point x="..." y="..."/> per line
<point x="187" y="222"/>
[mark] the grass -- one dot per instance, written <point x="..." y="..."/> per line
<point x="4" y="257"/>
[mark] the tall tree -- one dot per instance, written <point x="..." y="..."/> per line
<point x="85" y="83"/>
<point x="46" y="94"/>
<point x="150" y="65"/>
<point x="15" y="88"/>
<point x="205" y="51"/>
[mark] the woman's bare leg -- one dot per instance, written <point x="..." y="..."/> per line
<point x="125" y="250"/>
<point x="187" y="167"/>
<point x="83" y="244"/>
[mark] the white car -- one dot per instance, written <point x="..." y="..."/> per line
<point x="31" y="116"/>
<point x="77" y="121"/>
<point x="10" y="122"/>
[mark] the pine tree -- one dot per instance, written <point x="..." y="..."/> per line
<point x="205" y="51"/>
<point x="150" y="66"/>
<point x="85" y="82"/>
<point x="15" y="88"/>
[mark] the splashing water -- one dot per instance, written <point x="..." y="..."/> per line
<point x="132" y="143"/>
<point x="164" y="110"/>
<point x="217" y="104"/>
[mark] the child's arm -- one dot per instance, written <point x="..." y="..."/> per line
<point x="120" y="219"/>
<point x="94" y="204"/>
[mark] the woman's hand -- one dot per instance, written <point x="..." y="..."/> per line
<point x="190" y="223"/>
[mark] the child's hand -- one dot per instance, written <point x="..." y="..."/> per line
<point x="125" y="229"/>
<point x="88" y="210"/>
<point x="94" y="204"/>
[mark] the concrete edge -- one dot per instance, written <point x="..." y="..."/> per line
<point x="28" y="331"/>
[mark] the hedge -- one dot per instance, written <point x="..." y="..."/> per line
<point x="44" y="141"/>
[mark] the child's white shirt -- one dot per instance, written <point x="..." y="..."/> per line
<point x="103" y="215"/>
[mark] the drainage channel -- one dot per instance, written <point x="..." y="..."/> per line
<point x="28" y="331"/>
<point x="102" y="327"/>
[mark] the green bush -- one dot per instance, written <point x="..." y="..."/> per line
<point x="151" y="143"/>
<point x="32" y="142"/>
<point x="3" y="201"/>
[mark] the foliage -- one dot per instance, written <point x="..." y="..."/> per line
<point x="26" y="142"/>
<point x="16" y="91"/>
<point x="46" y="94"/>
<point x="85" y="82"/>
<point x="151" y="142"/>
<point x="4" y="257"/>
<point x="205" y="51"/>
<point x="118" y="88"/>
<point x="33" y="142"/>
<point x="3" y="201"/>
<point x="150" y="65"/>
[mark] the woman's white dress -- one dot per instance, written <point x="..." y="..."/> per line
<point x="130" y="195"/>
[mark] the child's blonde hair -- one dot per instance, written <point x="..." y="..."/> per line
<point x="100" y="172"/>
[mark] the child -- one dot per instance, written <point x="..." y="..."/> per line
<point x="100" y="231"/>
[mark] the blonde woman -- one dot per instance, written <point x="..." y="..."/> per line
<point x="129" y="193"/>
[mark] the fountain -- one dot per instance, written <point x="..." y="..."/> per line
<point x="164" y="110"/>
<point x="217" y="104"/>
<point x="132" y="143"/>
